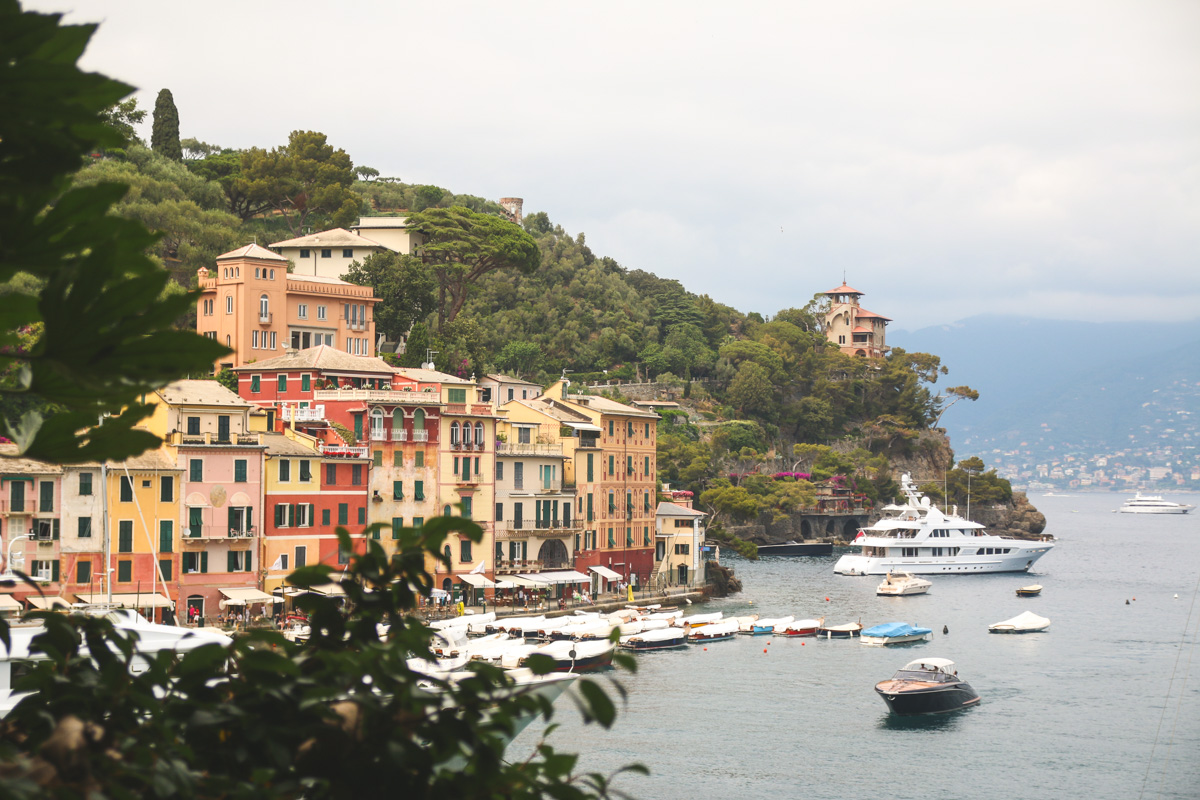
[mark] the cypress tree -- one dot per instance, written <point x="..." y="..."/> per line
<point x="164" y="137"/>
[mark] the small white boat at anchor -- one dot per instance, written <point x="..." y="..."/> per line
<point x="902" y="584"/>
<point x="895" y="633"/>
<point x="1026" y="622"/>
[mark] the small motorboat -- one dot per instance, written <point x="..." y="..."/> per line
<point x="895" y="633"/>
<point x="696" y="620"/>
<point x="569" y="656"/>
<point x="1026" y="622"/>
<point x="762" y="626"/>
<point x="846" y="630"/>
<point x="801" y="627"/>
<point x="656" y="639"/>
<point x="714" y="632"/>
<point x="746" y="623"/>
<point x="900" y="584"/>
<point x="927" y="686"/>
<point x="1033" y="590"/>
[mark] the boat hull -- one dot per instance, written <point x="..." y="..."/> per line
<point x="886" y="640"/>
<point x="796" y="549"/>
<point x="1179" y="510"/>
<point x="1021" y="561"/>
<point x="912" y="702"/>
<point x="666" y="644"/>
<point x="716" y="637"/>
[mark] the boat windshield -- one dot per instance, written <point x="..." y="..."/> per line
<point x="921" y="675"/>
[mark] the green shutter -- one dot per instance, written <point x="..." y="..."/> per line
<point x="54" y="528"/>
<point x="231" y="562"/>
<point x="397" y="490"/>
<point x="291" y="515"/>
<point x="239" y="471"/>
<point x="397" y="524"/>
<point x="343" y="514"/>
<point x="204" y="561"/>
<point x="165" y="537"/>
<point x="397" y="458"/>
<point x="305" y="384"/>
<point x="124" y="571"/>
<point x="377" y="457"/>
<point x="418" y="490"/>
<point x="590" y="465"/>
<point x="164" y="566"/>
<point x="54" y="568"/>
<point x="229" y="518"/>
<point x="255" y="385"/>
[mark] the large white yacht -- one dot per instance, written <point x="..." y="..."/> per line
<point x="920" y="539"/>
<point x="1152" y="504"/>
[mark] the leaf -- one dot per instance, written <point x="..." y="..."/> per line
<point x="597" y="704"/>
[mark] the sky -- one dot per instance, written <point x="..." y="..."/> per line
<point x="947" y="159"/>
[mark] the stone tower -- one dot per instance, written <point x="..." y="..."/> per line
<point x="851" y="327"/>
<point x="512" y="208"/>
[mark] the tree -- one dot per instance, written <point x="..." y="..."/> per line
<point x="195" y="150"/>
<point x="107" y="336"/>
<point x="164" y="136"/>
<point x="366" y="174"/>
<point x="225" y="168"/>
<point x="461" y="246"/>
<point x="121" y="117"/>
<point x="958" y="393"/>
<point x="405" y="286"/>
<point x="751" y="390"/>
<point x="520" y="358"/>
<point x="306" y="181"/>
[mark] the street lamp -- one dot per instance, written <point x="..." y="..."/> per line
<point x="8" y="561"/>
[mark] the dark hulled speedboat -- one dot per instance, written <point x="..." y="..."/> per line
<point x="927" y="686"/>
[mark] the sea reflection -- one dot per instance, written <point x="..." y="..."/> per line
<point x="932" y="723"/>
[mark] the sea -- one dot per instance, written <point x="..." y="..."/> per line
<point x="1104" y="704"/>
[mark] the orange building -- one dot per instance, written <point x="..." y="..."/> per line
<point x="252" y="304"/>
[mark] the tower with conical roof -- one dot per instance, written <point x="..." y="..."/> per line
<point x="851" y="327"/>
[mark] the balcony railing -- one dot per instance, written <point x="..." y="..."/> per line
<point x="379" y="435"/>
<point x="310" y="414"/>
<point x="420" y="436"/>
<point x="399" y="435"/>
<point x="266" y="319"/>
<point x="344" y="451"/>
<point x="194" y="537"/>
<point x="537" y="529"/>
<point x="538" y="449"/>
<point x="385" y="396"/>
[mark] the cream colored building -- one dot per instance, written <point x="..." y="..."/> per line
<point x="854" y="329"/>
<point x="391" y="232"/>
<point x="327" y="254"/>
<point x="679" y="540"/>
<point x="536" y="524"/>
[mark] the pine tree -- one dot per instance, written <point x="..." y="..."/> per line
<point x="164" y="137"/>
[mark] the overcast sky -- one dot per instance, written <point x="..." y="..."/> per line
<point x="949" y="158"/>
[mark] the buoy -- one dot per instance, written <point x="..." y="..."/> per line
<point x="826" y="599"/>
<point x="945" y="629"/>
<point x="802" y="644"/>
<point x="1176" y="597"/>
<point x="751" y="602"/>
<point x="1126" y="602"/>
<point x="706" y="649"/>
<point x="764" y="649"/>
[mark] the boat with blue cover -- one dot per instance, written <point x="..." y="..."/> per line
<point x="895" y="633"/>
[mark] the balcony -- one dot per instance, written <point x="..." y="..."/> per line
<point x="206" y="439"/>
<point x="384" y="396"/>
<point x="343" y="451"/>
<point x="420" y="436"/>
<point x="538" y="449"/>
<point x="197" y="538"/>
<point x="465" y="409"/>
<point x="542" y="529"/>
<point x="266" y="319"/>
<point x="507" y="566"/>
<point x="311" y="414"/>
<point x="379" y="435"/>
<point x="399" y="435"/>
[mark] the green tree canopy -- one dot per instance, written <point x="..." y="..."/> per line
<point x="405" y="286"/>
<point x="307" y="181"/>
<point x="164" y="135"/>
<point x="461" y="246"/>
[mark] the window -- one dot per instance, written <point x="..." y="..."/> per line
<point x="272" y="347"/>
<point x="85" y="527"/>
<point x="282" y="378"/>
<point x="196" y="469"/>
<point x="325" y="517"/>
<point x="397" y="458"/>
<point x="124" y="571"/>
<point x="254" y="339"/>
<point x="264" y="308"/>
<point x="343" y="514"/>
<point x="326" y="252"/>
<point x="194" y="562"/>
<point x="466" y="507"/>
<point x="523" y="435"/>
<point x="646" y="474"/>
<point x="362" y="518"/>
<point x="305" y="471"/>
<point x="397" y="490"/>
<point x="499" y="512"/>
<point x="284" y="515"/>
<point x="478" y="434"/>
<point x="418" y="490"/>
<point x="83" y="572"/>
<point x="301" y="557"/>
<point x="418" y="522"/>
<point x="195" y="521"/>
<point x="85" y="483"/>
<point x="283" y="561"/>
<point x="285" y="470"/>
<point x="239" y="470"/>
<point x="166" y="536"/>
<point x="356" y="474"/>
<point x="612" y="542"/>
<point x="228" y="304"/>
<point x="419" y="458"/>
<point x="499" y="470"/>
<point x="612" y="466"/>
<point x="347" y="252"/>
<point x="304" y="252"/>
<point x="165" y="567"/>
<point x="464" y="550"/>
<point x="610" y="427"/>
<point x="456" y="395"/>
<point x="321" y="312"/>
<point x="166" y="489"/>
<point x="126" y="490"/>
<point x="17" y="497"/>
<point x="125" y="536"/>
<point x="302" y="310"/>
<point x="682" y="549"/>
<point x="377" y="458"/>
<point x="454" y="437"/>
<point x="238" y="561"/>
<point x="304" y="515"/>
<point x="331" y="474"/>
<point x="629" y="465"/>
<point x="46" y="496"/>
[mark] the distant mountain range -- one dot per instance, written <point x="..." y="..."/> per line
<point x="1072" y="386"/>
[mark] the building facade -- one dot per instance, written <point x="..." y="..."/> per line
<point x="851" y="327"/>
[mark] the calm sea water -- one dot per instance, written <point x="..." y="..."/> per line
<point x="1106" y="704"/>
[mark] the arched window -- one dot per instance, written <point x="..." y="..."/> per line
<point x="454" y="433"/>
<point x="419" y="419"/>
<point x="466" y="440"/>
<point x="478" y="433"/>
<point x="272" y="274"/>
<point x="264" y="307"/>
<point x="376" y="424"/>
<point x="446" y="553"/>
<point x="446" y="513"/>
<point x="228" y="341"/>
<point x="397" y="419"/>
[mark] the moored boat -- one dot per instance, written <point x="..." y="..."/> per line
<point x="764" y="626"/>
<point x="900" y="584"/>
<point x="846" y="630"/>
<point x="568" y="656"/>
<point x="927" y="686"/>
<point x="801" y="627"/>
<point x="714" y="632"/>
<point x="1033" y="590"/>
<point x="895" y="633"/>
<point x="696" y="620"/>
<point x="657" y="639"/>
<point x="1026" y="622"/>
<point x="921" y="539"/>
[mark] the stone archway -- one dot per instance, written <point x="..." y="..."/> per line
<point x="831" y="527"/>
<point x="850" y="529"/>
<point x="806" y="530"/>
<point x="553" y="555"/>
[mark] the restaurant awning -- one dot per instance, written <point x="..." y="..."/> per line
<point x="476" y="580"/>
<point x="8" y="602"/>
<point x="127" y="599"/>
<point x="514" y="581"/>
<point x="562" y="576"/>
<point x="240" y="595"/>
<point x="605" y="572"/>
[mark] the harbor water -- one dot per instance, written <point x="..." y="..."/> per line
<point x="1105" y="704"/>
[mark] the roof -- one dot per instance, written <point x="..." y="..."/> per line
<point x="428" y="375"/>
<point x="252" y="251"/>
<point x="322" y="357"/>
<point x="675" y="510"/>
<point x="200" y="393"/>
<point x="549" y="407"/>
<point x="656" y="403"/>
<point x="606" y="406"/>
<point x="151" y="459"/>
<point x="12" y="464"/>
<point x="844" y="289"/>
<point x="508" y="379"/>
<point x="863" y="329"/>
<point x="337" y="237"/>
<point x="381" y="222"/>
<point x="280" y="445"/>
<point x="326" y="279"/>
<point x="862" y="313"/>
